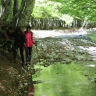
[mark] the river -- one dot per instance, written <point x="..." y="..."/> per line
<point x="67" y="69"/>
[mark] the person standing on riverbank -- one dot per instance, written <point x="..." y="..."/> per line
<point x="29" y="42"/>
<point x="19" y="40"/>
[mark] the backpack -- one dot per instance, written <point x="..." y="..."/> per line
<point x="29" y="39"/>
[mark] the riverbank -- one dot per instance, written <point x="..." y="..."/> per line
<point x="8" y="73"/>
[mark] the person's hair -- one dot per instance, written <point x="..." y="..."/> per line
<point x="11" y="27"/>
<point x="18" y="29"/>
<point x="28" y="26"/>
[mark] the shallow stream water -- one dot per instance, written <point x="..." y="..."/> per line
<point x="77" y="78"/>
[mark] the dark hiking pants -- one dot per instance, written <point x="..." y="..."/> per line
<point x="15" y="48"/>
<point x="28" y="51"/>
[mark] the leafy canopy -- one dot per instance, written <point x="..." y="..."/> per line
<point x="62" y="8"/>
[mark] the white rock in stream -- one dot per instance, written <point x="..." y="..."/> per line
<point x="91" y="65"/>
<point x="90" y="50"/>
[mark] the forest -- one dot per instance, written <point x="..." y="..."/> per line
<point x="63" y="64"/>
<point x="21" y="12"/>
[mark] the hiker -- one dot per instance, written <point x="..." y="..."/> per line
<point x="29" y="42"/>
<point x="19" y="40"/>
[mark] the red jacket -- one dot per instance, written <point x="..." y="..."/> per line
<point x="29" y="39"/>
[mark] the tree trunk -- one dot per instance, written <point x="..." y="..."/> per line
<point x="15" y="7"/>
<point x="17" y="14"/>
<point x="15" y="10"/>
<point x="25" y="16"/>
<point x="7" y="12"/>
<point x="14" y="15"/>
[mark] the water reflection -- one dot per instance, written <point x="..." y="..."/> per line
<point x="31" y="89"/>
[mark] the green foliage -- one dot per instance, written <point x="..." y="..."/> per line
<point x="65" y="10"/>
<point x="19" y="2"/>
<point x="50" y="9"/>
<point x="93" y="36"/>
<point x="46" y="8"/>
<point x="59" y="8"/>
